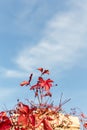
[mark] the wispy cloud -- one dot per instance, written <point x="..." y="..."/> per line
<point x="11" y="73"/>
<point x="63" y="42"/>
<point x="33" y="15"/>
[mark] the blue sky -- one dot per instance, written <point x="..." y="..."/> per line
<point x="49" y="34"/>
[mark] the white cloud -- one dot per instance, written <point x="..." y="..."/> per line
<point x="11" y="73"/>
<point x="63" y="43"/>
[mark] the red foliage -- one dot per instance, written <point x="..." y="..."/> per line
<point x="33" y="116"/>
<point x="5" y="123"/>
<point x="43" y="84"/>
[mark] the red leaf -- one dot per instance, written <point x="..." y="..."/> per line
<point x="24" y="83"/>
<point x="32" y="119"/>
<point x="23" y="120"/>
<point x="46" y="72"/>
<point x="2" y="114"/>
<point x="85" y="125"/>
<point x="46" y="84"/>
<point x="5" y="123"/>
<point x="23" y="108"/>
<point x="47" y="125"/>
<point x="40" y="69"/>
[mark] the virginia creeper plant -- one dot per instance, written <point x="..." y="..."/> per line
<point x="37" y="116"/>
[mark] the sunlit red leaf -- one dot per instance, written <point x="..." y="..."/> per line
<point x="46" y="84"/>
<point x="23" y="108"/>
<point x="40" y="69"/>
<point x="23" y="120"/>
<point x="45" y="72"/>
<point x="24" y="83"/>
